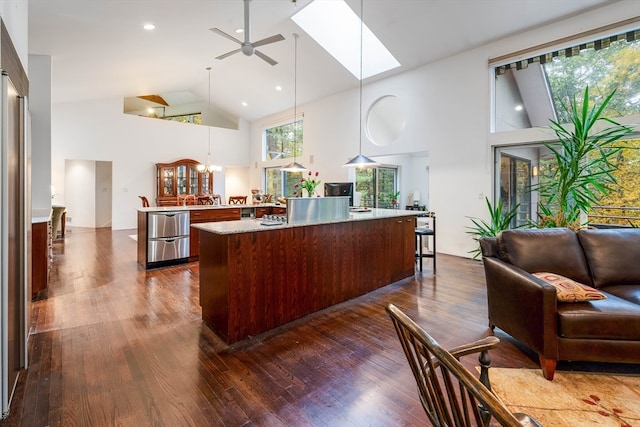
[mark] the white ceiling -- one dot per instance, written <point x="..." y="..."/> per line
<point x="100" y="50"/>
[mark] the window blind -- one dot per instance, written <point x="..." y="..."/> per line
<point x="601" y="43"/>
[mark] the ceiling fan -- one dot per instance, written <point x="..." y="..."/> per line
<point x="246" y="46"/>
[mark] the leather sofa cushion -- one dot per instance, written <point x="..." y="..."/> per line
<point x="555" y="250"/>
<point x="613" y="255"/>
<point x="628" y="292"/>
<point x="613" y="318"/>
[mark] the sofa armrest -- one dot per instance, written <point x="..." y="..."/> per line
<point x="523" y="306"/>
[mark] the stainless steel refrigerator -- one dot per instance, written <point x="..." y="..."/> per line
<point x="14" y="226"/>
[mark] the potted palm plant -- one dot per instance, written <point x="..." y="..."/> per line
<point x="499" y="220"/>
<point x="584" y="162"/>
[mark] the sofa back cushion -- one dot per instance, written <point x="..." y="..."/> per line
<point x="613" y="255"/>
<point x="554" y="250"/>
<point x="489" y="247"/>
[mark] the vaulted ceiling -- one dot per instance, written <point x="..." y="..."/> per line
<point x="100" y="50"/>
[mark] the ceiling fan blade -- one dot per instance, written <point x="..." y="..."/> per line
<point x="223" y="34"/>
<point x="268" y="40"/>
<point x="265" y="57"/>
<point x="228" y="54"/>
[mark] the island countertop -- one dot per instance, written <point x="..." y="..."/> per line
<point x="253" y="225"/>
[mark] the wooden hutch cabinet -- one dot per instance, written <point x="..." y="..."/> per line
<point x="182" y="179"/>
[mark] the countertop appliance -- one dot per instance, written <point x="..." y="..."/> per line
<point x="168" y="237"/>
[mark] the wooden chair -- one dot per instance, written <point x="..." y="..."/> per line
<point x="237" y="200"/>
<point x="187" y="200"/>
<point x="450" y="394"/>
<point x="209" y="200"/>
<point x="145" y="201"/>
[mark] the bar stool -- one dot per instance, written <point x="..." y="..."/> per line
<point x="426" y="231"/>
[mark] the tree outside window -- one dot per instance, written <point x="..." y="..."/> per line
<point x="376" y="186"/>
<point x="283" y="141"/>
<point x="281" y="183"/>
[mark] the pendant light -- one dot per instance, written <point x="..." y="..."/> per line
<point x="295" y="166"/>
<point x="361" y="161"/>
<point x="209" y="167"/>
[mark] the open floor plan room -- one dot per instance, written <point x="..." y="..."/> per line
<point x="113" y="344"/>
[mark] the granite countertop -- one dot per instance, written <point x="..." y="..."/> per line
<point x="252" y="225"/>
<point x="40" y="215"/>
<point x="204" y="207"/>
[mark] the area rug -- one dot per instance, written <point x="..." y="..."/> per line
<point x="572" y="398"/>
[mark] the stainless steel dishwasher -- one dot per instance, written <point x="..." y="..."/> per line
<point x="168" y="236"/>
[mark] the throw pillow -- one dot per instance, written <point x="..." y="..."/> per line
<point x="569" y="290"/>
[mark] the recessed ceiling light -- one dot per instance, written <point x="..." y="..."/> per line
<point x="244" y="104"/>
<point x="240" y="30"/>
<point x="278" y="88"/>
<point x="149" y="27"/>
<point x="519" y="107"/>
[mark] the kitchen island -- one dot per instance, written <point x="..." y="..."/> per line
<point x="256" y="277"/>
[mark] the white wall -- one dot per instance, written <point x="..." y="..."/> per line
<point x="15" y="15"/>
<point x="40" y="108"/>
<point x="449" y="115"/>
<point x="97" y="130"/>
<point x="80" y="200"/>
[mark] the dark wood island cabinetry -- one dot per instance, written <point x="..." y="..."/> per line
<point x="254" y="278"/>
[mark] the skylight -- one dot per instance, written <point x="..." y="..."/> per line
<point x="342" y="37"/>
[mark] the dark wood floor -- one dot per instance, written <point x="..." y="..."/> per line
<point x="113" y="345"/>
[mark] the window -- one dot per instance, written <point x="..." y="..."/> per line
<point x="376" y="185"/>
<point x="524" y="166"/>
<point x="530" y="92"/>
<point x="515" y="181"/>
<point x="621" y="207"/>
<point x="283" y="141"/>
<point x="281" y="183"/>
<point x="337" y="39"/>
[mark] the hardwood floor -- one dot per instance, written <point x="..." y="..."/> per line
<point x="113" y="344"/>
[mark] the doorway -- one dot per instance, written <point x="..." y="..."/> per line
<point x="88" y="193"/>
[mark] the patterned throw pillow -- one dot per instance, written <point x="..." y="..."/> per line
<point x="569" y="290"/>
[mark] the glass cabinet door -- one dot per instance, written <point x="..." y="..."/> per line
<point x="181" y="172"/>
<point x="193" y="181"/>
<point x="167" y="188"/>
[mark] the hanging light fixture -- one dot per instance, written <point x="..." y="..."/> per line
<point x="209" y="167"/>
<point x="295" y="166"/>
<point x="361" y="161"/>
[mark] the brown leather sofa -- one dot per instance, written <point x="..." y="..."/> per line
<point x="526" y="307"/>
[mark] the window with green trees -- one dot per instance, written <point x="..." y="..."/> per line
<point x="377" y="185"/>
<point x="283" y="141"/>
<point x="281" y="183"/>
<point x="603" y="71"/>
<point x="604" y="66"/>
